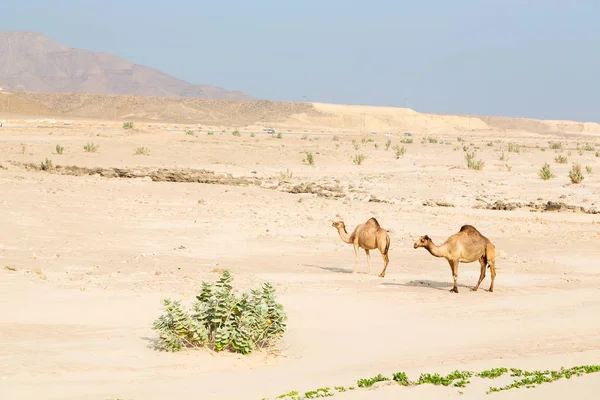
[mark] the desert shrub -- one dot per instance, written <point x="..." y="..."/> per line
<point x="359" y="158"/>
<point x="220" y="320"/>
<point x="598" y="153"/>
<point x="560" y="159"/>
<point x="279" y="135"/>
<point x="575" y="174"/>
<point x="189" y="132"/>
<point x="388" y="143"/>
<point x="210" y="133"/>
<point x="588" y="169"/>
<point x="503" y="157"/>
<point x="490" y="144"/>
<point x="432" y="140"/>
<point x="545" y="172"/>
<point x="304" y="137"/>
<point x="514" y="148"/>
<point x="400" y="151"/>
<point x="555" y="145"/>
<point x="46" y="165"/>
<point x="142" y="151"/>
<point x="588" y="147"/>
<point x="59" y="149"/>
<point x="472" y="163"/>
<point x="459" y="139"/>
<point x="355" y="144"/>
<point x="335" y="138"/>
<point x="236" y="133"/>
<point x="91" y="147"/>
<point x="310" y="159"/>
<point x="128" y="125"/>
<point x="407" y="140"/>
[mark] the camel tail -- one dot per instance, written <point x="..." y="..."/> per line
<point x="490" y="253"/>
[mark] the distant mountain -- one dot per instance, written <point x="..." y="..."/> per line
<point x="33" y="63"/>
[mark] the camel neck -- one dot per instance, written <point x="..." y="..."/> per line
<point x="434" y="250"/>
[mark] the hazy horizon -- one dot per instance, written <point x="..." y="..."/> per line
<point x="498" y="58"/>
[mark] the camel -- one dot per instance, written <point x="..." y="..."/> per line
<point x="368" y="236"/>
<point x="468" y="245"/>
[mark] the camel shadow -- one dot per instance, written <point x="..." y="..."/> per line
<point x="331" y="269"/>
<point x="445" y="286"/>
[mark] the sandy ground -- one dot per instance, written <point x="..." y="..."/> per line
<point x="90" y="258"/>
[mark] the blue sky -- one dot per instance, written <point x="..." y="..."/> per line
<point x="525" y="58"/>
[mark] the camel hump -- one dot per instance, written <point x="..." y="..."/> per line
<point x="373" y="221"/>
<point x="468" y="228"/>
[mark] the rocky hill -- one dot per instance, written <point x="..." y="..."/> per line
<point x="31" y="62"/>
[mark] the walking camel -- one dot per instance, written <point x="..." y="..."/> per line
<point x="368" y="236"/>
<point x="468" y="245"/>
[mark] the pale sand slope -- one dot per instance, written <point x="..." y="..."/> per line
<point x="257" y="115"/>
<point x="109" y="250"/>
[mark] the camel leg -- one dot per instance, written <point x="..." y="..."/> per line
<point x="493" y="273"/>
<point x="483" y="262"/>
<point x="368" y="259"/>
<point x="355" y="258"/>
<point x="386" y="261"/>
<point x="454" y="268"/>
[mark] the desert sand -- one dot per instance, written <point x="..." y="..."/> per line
<point x="85" y="260"/>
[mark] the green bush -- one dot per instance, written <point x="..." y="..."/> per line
<point x="220" y="320"/>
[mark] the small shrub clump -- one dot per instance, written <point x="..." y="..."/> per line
<point x="90" y="147"/>
<point x="560" y="159"/>
<point x="310" y="159"/>
<point x="545" y="172"/>
<point x="575" y="174"/>
<point x="400" y="151"/>
<point x="472" y="163"/>
<point x="359" y="158"/>
<point x="46" y="165"/>
<point x="59" y="149"/>
<point x="127" y="125"/>
<point x="555" y="145"/>
<point x="220" y="320"/>
<point x="142" y="151"/>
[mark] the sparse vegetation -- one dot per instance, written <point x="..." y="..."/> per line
<point x="514" y="148"/>
<point x="252" y="134"/>
<point x="59" y="149"/>
<point x="575" y="174"/>
<point x="388" y="143"/>
<point x="560" y="159"/>
<point x="407" y="140"/>
<point x="359" y="158"/>
<point x="458" y="379"/>
<point x="588" y="169"/>
<point x="555" y="145"/>
<point x="598" y="153"/>
<point x="189" y="133"/>
<point x="46" y="165"/>
<point x="588" y="147"/>
<point x="335" y="138"/>
<point x="310" y="159"/>
<point x="236" y="133"/>
<point x="91" y="147"/>
<point x="142" y="151"/>
<point x="355" y="144"/>
<point x="128" y="125"/>
<point x="472" y="163"/>
<point x="545" y="173"/>
<point x="368" y="382"/>
<point x="400" y="151"/>
<point x="220" y="320"/>
<point x="304" y="137"/>
<point x="279" y="135"/>
<point x="210" y="133"/>
<point x="432" y="140"/>
<point x="286" y="175"/>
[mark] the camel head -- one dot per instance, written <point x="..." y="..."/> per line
<point x="339" y="225"/>
<point x="422" y="242"/>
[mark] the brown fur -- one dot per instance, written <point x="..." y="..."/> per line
<point x="368" y="236"/>
<point x="468" y="245"/>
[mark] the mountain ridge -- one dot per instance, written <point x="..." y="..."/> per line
<point x="31" y="62"/>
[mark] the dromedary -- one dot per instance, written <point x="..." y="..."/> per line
<point x="466" y="246"/>
<point x="368" y="236"/>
